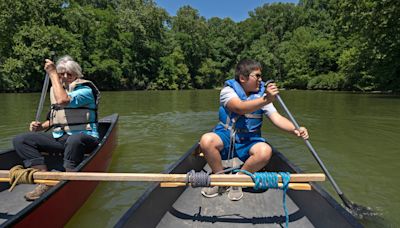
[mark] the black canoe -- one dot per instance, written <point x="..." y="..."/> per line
<point x="185" y="207"/>
<point x="58" y="205"/>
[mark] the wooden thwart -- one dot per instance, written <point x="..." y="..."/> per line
<point x="96" y="176"/>
<point x="298" y="181"/>
<point x="46" y="182"/>
<point x="294" y="186"/>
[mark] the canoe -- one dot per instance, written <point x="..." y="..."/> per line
<point x="186" y="207"/>
<point x="55" y="207"/>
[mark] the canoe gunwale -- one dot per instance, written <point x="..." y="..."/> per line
<point x="112" y="120"/>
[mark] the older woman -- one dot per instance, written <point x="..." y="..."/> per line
<point x="72" y="119"/>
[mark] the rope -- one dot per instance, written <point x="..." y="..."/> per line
<point x="19" y="175"/>
<point x="200" y="179"/>
<point x="266" y="180"/>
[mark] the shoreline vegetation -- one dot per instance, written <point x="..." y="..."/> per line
<point x="123" y="45"/>
<point x="394" y="93"/>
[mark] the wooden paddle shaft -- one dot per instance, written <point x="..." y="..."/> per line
<point x="94" y="176"/>
<point x="294" y="186"/>
<point x="46" y="182"/>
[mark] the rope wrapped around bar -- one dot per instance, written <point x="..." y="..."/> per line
<point x="266" y="180"/>
<point x="19" y="175"/>
<point x="200" y="179"/>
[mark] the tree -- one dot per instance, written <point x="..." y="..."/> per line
<point x="307" y="54"/>
<point x="190" y="32"/>
<point x="264" y="50"/>
<point x="373" y="26"/>
<point x="32" y="44"/>
<point x="174" y="74"/>
<point x="19" y="15"/>
<point x="225" y="46"/>
<point x="141" y="25"/>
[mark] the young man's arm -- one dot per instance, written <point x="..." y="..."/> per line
<point x="285" y="124"/>
<point x="240" y="107"/>
<point x="243" y="107"/>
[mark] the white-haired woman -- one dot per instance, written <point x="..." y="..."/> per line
<point x="72" y="119"/>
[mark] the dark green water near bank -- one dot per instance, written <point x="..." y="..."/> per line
<point x="356" y="135"/>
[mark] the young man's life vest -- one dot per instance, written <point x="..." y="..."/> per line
<point x="66" y="119"/>
<point x="249" y="124"/>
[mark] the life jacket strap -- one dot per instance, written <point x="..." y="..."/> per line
<point x="239" y="130"/>
<point x="58" y="107"/>
<point x="61" y="126"/>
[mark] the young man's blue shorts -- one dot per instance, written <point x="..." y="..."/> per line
<point x="243" y="143"/>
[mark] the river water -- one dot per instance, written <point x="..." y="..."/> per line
<point x="356" y="135"/>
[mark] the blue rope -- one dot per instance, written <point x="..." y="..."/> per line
<point x="266" y="180"/>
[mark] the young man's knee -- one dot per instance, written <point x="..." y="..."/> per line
<point x="206" y="140"/>
<point x="264" y="153"/>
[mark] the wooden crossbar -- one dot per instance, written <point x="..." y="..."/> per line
<point x="97" y="176"/>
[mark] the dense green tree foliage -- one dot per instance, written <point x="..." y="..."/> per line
<point x="134" y="44"/>
<point x="372" y="58"/>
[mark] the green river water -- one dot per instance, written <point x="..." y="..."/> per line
<point x="356" y="135"/>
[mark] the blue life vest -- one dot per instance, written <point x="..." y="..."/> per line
<point x="248" y="124"/>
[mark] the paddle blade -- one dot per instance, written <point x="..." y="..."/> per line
<point x="360" y="212"/>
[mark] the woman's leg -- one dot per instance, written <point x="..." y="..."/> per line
<point x="75" y="148"/>
<point x="29" y="145"/>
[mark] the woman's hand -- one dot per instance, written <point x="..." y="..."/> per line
<point x="35" y="126"/>
<point x="50" y="67"/>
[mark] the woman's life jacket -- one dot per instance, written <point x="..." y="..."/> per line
<point x="248" y="124"/>
<point x="67" y="119"/>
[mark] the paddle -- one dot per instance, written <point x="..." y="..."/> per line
<point x="44" y="91"/>
<point x="355" y="209"/>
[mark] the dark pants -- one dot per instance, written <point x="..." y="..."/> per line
<point x="29" y="146"/>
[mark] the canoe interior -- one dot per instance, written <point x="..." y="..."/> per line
<point x="186" y="207"/>
<point x="13" y="203"/>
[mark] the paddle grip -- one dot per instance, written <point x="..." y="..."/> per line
<point x="268" y="82"/>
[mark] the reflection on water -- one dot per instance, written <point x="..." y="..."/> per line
<point x="356" y="135"/>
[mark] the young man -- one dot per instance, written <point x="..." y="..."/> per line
<point x="243" y="101"/>
<point x="73" y="120"/>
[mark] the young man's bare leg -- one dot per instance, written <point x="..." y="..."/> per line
<point x="260" y="154"/>
<point x="211" y="145"/>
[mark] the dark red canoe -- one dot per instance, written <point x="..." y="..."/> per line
<point x="59" y="204"/>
